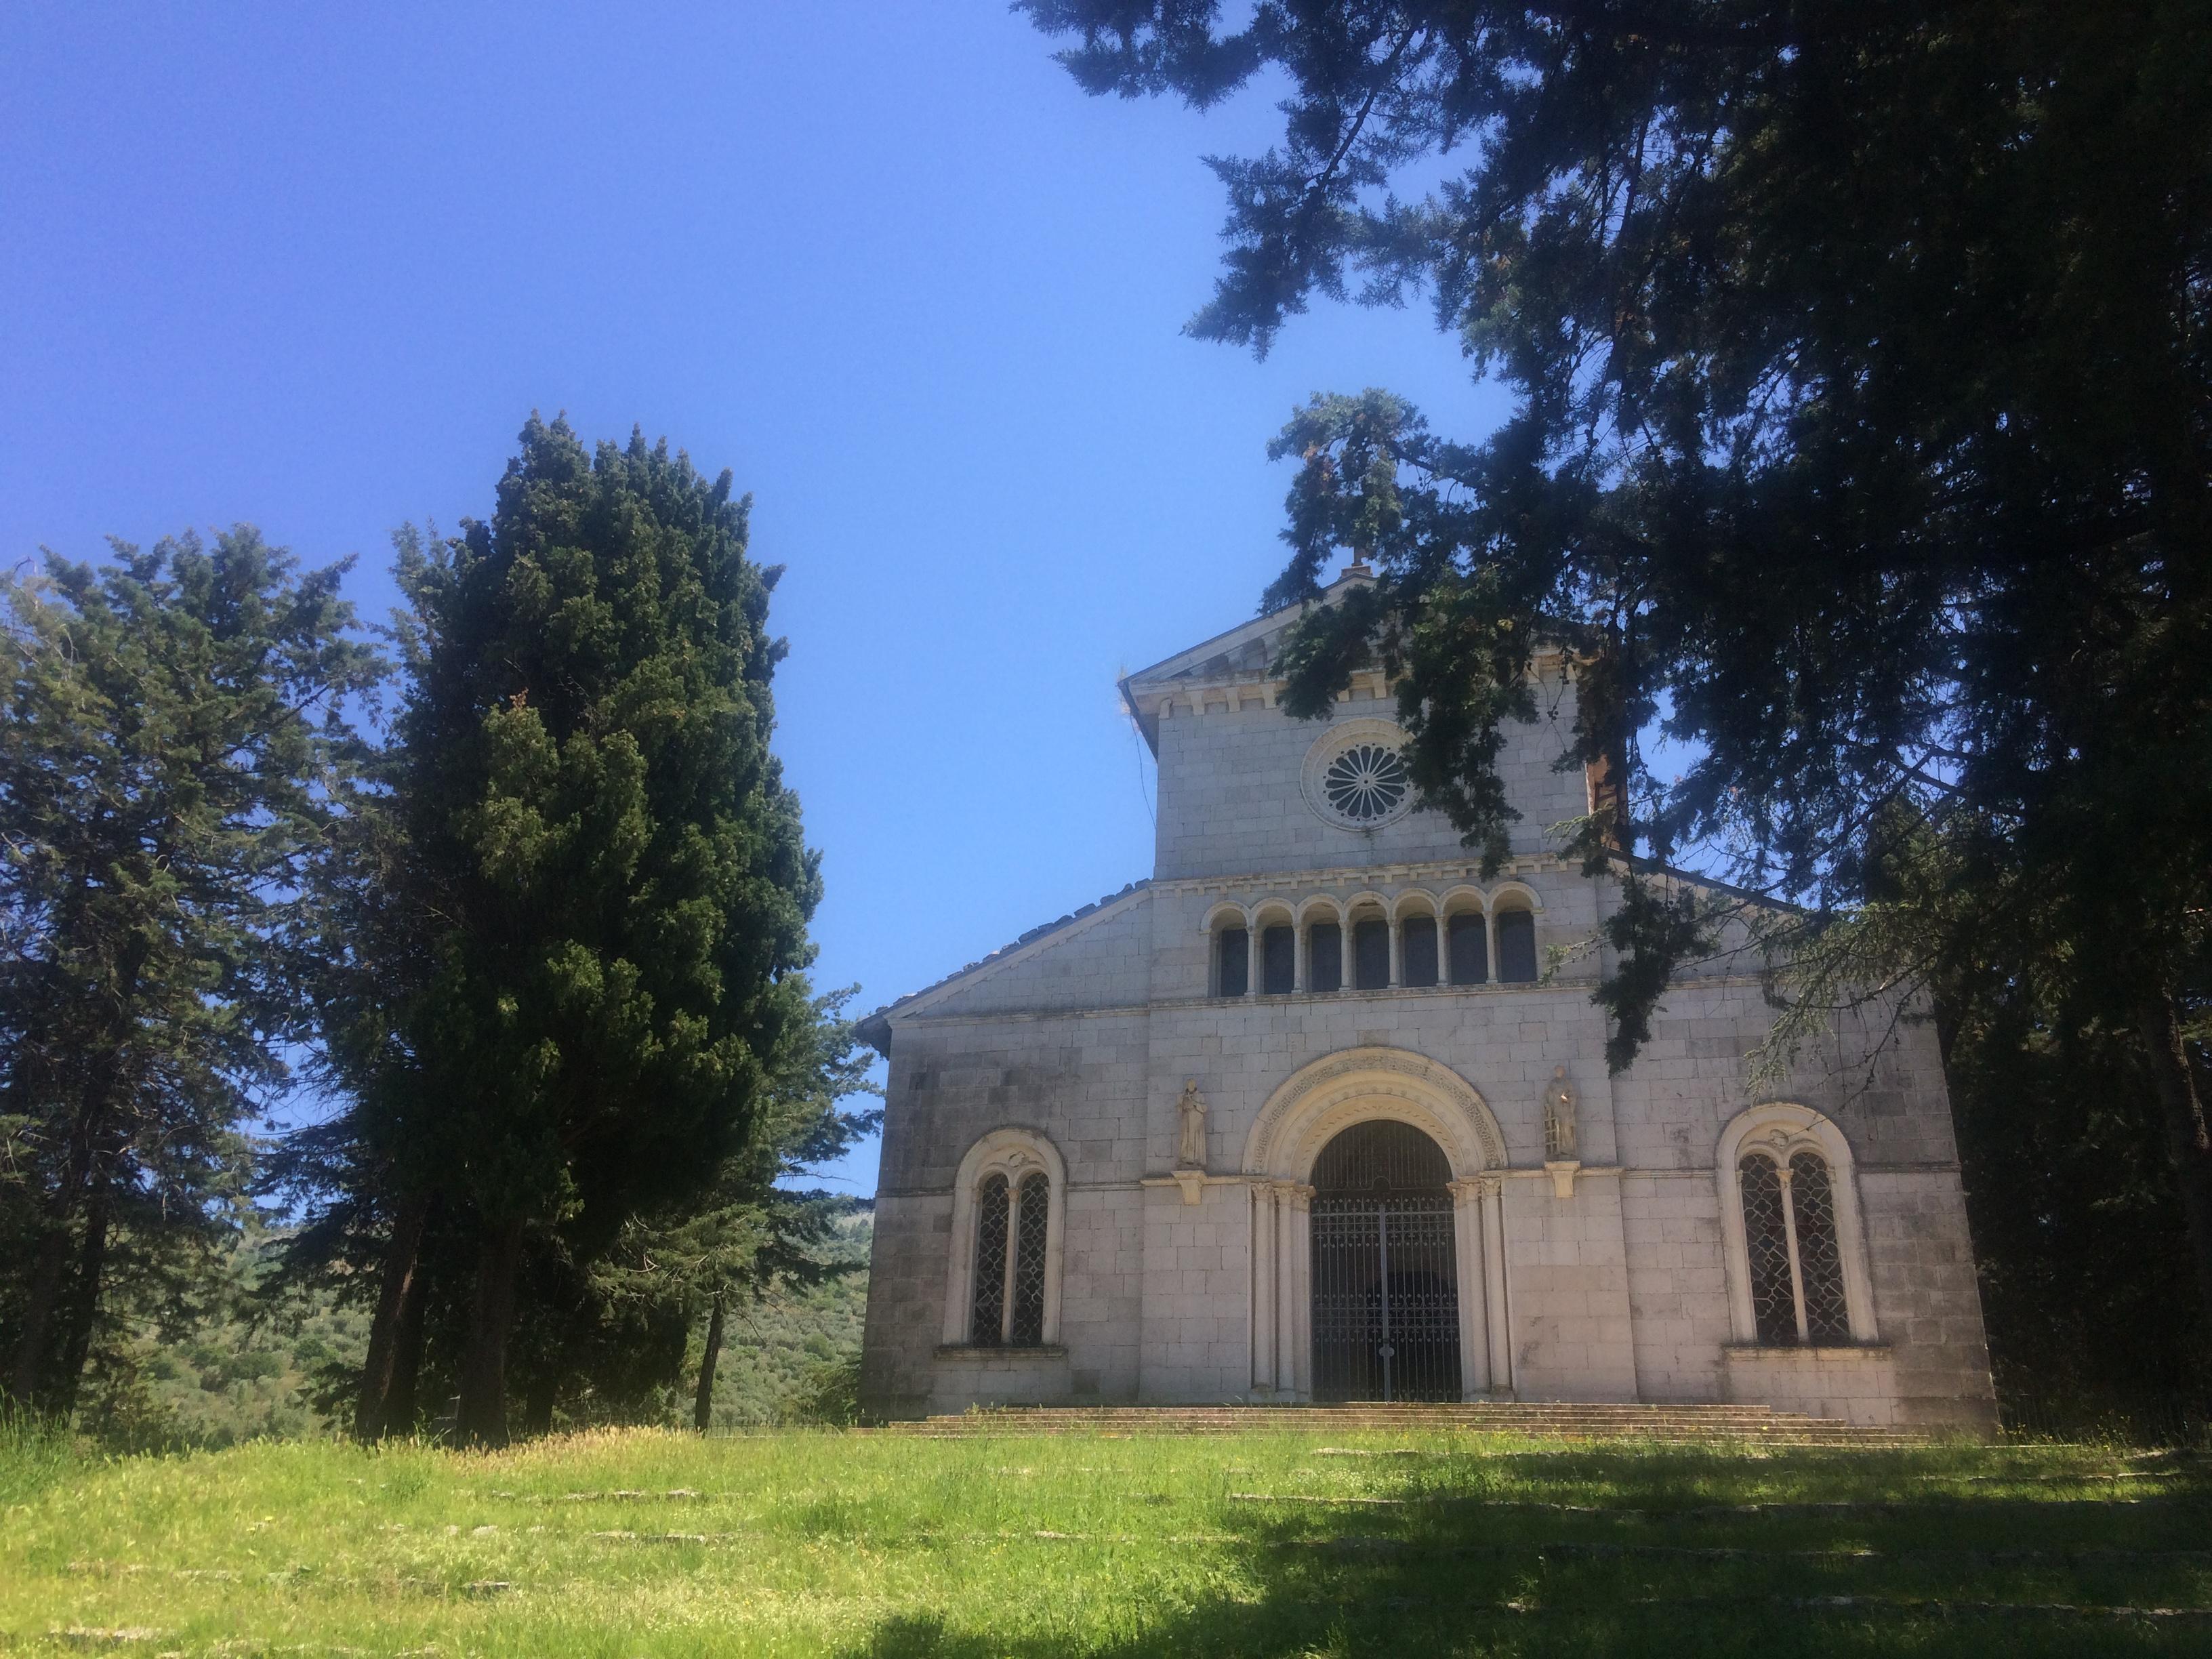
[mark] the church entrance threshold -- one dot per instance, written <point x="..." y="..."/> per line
<point x="1385" y="1273"/>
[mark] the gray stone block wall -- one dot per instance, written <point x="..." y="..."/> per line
<point x="1231" y="800"/>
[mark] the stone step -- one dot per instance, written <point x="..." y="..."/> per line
<point x="1562" y="1419"/>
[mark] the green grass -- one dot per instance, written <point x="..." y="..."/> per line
<point x="650" y="1543"/>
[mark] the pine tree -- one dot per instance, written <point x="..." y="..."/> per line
<point x="174" y="725"/>
<point x="1863" y="439"/>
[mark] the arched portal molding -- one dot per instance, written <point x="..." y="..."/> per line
<point x="1319" y="1100"/>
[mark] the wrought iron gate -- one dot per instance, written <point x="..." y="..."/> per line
<point x="1385" y="1271"/>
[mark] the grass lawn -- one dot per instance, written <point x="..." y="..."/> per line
<point x="813" y="1542"/>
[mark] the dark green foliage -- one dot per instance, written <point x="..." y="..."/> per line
<point x="2074" y="1213"/>
<point x="586" y="766"/>
<point x="171" y="742"/>
<point x="1862" y="442"/>
<point x="566" y="999"/>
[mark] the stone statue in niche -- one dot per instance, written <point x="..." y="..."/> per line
<point x="1190" y="1152"/>
<point x="1560" y="1119"/>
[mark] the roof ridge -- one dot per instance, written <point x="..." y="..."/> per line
<point x="999" y="955"/>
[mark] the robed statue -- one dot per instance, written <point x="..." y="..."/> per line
<point x="1190" y="1153"/>
<point x="1559" y="1118"/>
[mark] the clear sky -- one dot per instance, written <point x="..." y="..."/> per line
<point x="310" y="267"/>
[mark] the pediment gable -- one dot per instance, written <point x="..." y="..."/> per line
<point x="875" y="1029"/>
<point x="1245" y="654"/>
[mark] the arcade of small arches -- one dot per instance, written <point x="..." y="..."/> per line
<point x="1370" y="942"/>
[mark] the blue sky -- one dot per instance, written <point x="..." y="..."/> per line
<point x="310" y="268"/>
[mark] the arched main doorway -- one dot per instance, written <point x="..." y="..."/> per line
<point x="1385" y="1271"/>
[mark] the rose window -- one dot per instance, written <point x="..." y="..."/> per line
<point x="1365" y="783"/>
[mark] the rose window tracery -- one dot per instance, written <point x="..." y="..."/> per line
<point x="1366" y="783"/>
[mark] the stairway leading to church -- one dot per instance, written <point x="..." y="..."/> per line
<point x="1684" y="1423"/>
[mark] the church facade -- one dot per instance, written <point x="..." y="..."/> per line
<point x="1320" y="1112"/>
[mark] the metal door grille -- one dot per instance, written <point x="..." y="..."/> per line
<point x="1385" y="1271"/>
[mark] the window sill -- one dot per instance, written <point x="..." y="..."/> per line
<point x="1000" y="1351"/>
<point x="1876" y="1350"/>
<point x="1487" y="987"/>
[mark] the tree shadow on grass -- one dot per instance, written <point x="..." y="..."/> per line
<point x="1660" y="1569"/>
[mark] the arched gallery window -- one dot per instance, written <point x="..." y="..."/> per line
<point x="1010" y="1223"/>
<point x="1232" y="961"/>
<point x="1516" y="947"/>
<point x="1003" y="1289"/>
<point x="1796" y="1258"/>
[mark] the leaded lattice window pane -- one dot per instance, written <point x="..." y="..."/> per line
<point x="1820" y="1262"/>
<point x="1035" y="1213"/>
<point x="1766" y="1241"/>
<point x="991" y="1205"/>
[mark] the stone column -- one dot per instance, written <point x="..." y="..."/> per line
<point x="1397" y="954"/>
<point x="1299" y="953"/>
<point x="1498" y="1313"/>
<point x="1473" y="1327"/>
<point x="1299" y="1360"/>
<point x="1796" y="1268"/>
<point x="1266" y="1256"/>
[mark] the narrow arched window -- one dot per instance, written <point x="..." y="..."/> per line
<point x="1232" y="961"/>
<point x="1003" y="1268"/>
<point x="1370" y="954"/>
<point x="1470" y="951"/>
<point x="992" y="1214"/>
<point x="1417" y="945"/>
<point x="1516" y="947"/>
<point x="1790" y="1238"/>
<point x="1324" y="958"/>
<point x="1013" y="1230"/>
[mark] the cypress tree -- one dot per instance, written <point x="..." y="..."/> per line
<point x="605" y="866"/>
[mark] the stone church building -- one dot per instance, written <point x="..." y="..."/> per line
<point x="1318" y="1112"/>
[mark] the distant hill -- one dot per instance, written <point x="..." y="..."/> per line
<point x="776" y="1347"/>
<point x="250" y="1368"/>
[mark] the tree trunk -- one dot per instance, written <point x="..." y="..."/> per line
<point x="372" y="1413"/>
<point x="31" y="1375"/>
<point x="74" y="1332"/>
<point x="27" y="1375"/>
<point x="2188" y="1141"/>
<point x="400" y="1410"/>
<point x="35" y="1343"/>
<point x="482" y="1420"/>
<point x="538" y="1400"/>
<point x="703" y="1407"/>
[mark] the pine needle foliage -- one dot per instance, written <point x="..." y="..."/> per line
<point x="1860" y="443"/>
<point x="173" y="748"/>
